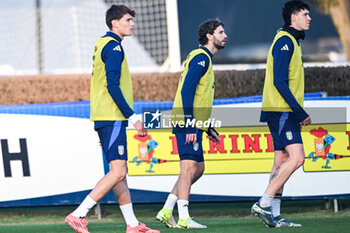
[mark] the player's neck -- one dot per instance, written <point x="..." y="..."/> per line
<point x="121" y="36"/>
<point x="211" y="48"/>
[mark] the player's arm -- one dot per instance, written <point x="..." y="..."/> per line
<point x="281" y="60"/>
<point x="113" y="60"/>
<point x="195" y="72"/>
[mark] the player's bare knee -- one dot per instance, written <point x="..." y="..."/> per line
<point x="300" y="162"/>
<point x="123" y="175"/>
<point x="118" y="175"/>
<point x="196" y="177"/>
<point x="188" y="171"/>
<point x="200" y="173"/>
<point x="200" y="170"/>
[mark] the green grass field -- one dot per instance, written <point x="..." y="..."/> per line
<point x="219" y="217"/>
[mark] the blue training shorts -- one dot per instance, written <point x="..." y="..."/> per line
<point x="113" y="141"/>
<point x="190" y="151"/>
<point x="284" y="132"/>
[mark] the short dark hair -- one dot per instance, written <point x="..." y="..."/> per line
<point x="293" y="7"/>
<point x="117" y="12"/>
<point x="208" y="26"/>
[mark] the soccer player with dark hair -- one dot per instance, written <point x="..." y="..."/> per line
<point x="282" y="109"/>
<point x="193" y="103"/>
<point x="111" y="100"/>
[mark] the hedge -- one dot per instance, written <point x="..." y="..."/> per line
<point x="161" y="86"/>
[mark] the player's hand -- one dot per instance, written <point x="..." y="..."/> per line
<point x="213" y="136"/>
<point x="140" y="130"/>
<point x="191" y="138"/>
<point x="306" y="121"/>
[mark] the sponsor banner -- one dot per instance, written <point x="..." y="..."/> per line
<point x="46" y="155"/>
<point x="58" y="158"/>
<point x="241" y="150"/>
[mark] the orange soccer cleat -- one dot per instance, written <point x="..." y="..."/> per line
<point x="141" y="228"/>
<point x="78" y="224"/>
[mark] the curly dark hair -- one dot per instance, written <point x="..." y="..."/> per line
<point x="117" y="12"/>
<point x="292" y="7"/>
<point x="208" y="26"/>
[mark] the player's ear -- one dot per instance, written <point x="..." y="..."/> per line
<point x="293" y="18"/>
<point x="115" y="23"/>
<point x="209" y="36"/>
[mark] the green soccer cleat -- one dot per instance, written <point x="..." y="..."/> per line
<point x="285" y="223"/>
<point x="166" y="216"/>
<point x="189" y="223"/>
<point x="265" y="214"/>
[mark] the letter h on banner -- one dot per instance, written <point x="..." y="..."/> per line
<point x="8" y="157"/>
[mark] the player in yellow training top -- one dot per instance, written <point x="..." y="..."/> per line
<point x="111" y="98"/>
<point x="192" y="105"/>
<point x="282" y="109"/>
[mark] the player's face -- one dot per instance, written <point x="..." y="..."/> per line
<point x="219" y="37"/>
<point x="125" y="25"/>
<point x="301" y="20"/>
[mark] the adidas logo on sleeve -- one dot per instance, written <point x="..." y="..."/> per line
<point x="285" y="47"/>
<point x="201" y="63"/>
<point x="117" y="48"/>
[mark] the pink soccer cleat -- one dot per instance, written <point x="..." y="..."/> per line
<point x="78" y="224"/>
<point x="141" y="228"/>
